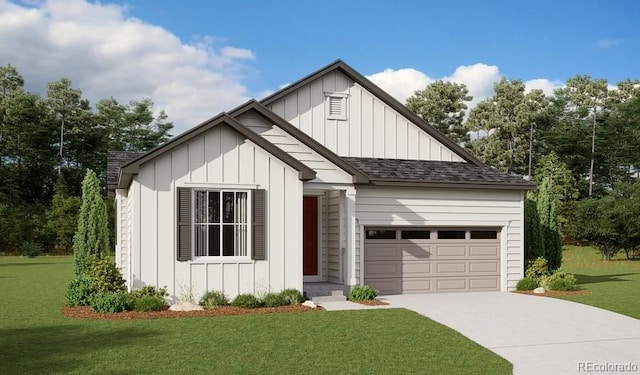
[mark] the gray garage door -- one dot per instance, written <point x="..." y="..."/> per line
<point x="420" y="260"/>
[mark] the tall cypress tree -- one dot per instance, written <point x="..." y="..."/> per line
<point x="92" y="236"/>
<point x="549" y="228"/>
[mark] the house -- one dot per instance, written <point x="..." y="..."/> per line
<point x="329" y="180"/>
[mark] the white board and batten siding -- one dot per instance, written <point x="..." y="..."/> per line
<point x="451" y="208"/>
<point x="371" y="129"/>
<point x="220" y="158"/>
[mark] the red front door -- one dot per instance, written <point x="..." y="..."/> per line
<point x="310" y="236"/>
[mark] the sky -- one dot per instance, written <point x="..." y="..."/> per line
<point x="196" y="59"/>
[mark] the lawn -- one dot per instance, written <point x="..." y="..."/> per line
<point x="614" y="284"/>
<point x="36" y="338"/>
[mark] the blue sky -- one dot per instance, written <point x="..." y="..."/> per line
<point x="197" y="58"/>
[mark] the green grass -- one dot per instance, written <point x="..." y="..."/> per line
<point x="614" y="284"/>
<point x="36" y="338"/>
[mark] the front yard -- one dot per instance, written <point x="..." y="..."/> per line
<point x="614" y="284"/>
<point x="36" y="338"/>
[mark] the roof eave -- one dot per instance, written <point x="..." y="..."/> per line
<point x="458" y="185"/>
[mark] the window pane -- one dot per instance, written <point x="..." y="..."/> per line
<point x="227" y="207"/>
<point x="214" y="207"/>
<point x="241" y="207"/>
<point x="200" y="240"/>
<point x="214" y="240"/>
<point x="241" y="240"/>
<point x="415" y="235"/>
<point x="451" y="234"/>
<point x="484" y="234"/>
<point x="375" y="234"/>
<point x="228" y="240"/>
<point x="200" y="209"/>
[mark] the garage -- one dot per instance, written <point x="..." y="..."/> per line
<point x="422" y="260"/>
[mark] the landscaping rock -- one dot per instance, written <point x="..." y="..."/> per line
<point x="185" y="306"/>
<point x="309" y="303"/>
<point x="539" y="290"/>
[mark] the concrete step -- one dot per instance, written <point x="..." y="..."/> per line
<point x="326" y="292"/>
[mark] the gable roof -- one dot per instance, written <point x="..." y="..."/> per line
<point x="302" y="137"/>
<point x="423" y="173"/>
<point x="382" y="95"/>
<point x="115" y="160"/>
<point x="130" y="169"/>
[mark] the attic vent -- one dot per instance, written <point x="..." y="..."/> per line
<point x="336" y="106"/>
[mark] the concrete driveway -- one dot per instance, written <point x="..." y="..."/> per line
<point x="539" y="335"/>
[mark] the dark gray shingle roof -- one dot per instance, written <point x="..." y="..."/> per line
<point x="435" y="172"/>
<point x="115" y="160"/>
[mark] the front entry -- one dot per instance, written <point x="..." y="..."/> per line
<point x="310" y="236"/>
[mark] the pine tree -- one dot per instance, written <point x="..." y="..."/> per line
<point x="62" y="217"/>
<point x="533" y="243"/>
<point x="549" y="228"/>
<point x="92" y="236"/>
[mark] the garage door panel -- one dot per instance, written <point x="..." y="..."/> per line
<point x="451" y="250"/>
<point x="416" y="269"/>
<point x="383" y="269"/>
<point x="450" y="285"/>
<point x="484" y="251"/>
<point x="484" y="267"/>
<point x="383" y="252"/>
<point x="451" y="268"/>
<point x="415" y="252"/>
<point x="386" y="286"/>
<point x="491" y="283"/>
<point x="414" y="286"/>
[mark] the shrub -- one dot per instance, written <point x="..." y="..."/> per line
<point x="246" y="301"/>
<point x="149" y="290"/>
<point x="213" y="298"/>
<point x="105" y="276"/>
<point x="527" y="284"/>
<point x="559" y="280"/>
<point x="362" y="293"/>
<point x="79" y="292"/>
<point x="537" y="269"/>
<point x="30" y="249"/>
<point x="275" y="299"/>
<point x="293" y="296"/>
<point x="148" y="303"/>
<point x="111" y="302"/>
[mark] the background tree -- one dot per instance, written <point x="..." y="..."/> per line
<point x="507" y="119"/>
<point x="92" y="236"/>
<point x="62" y="217"/>
<point x="442" y="104"/>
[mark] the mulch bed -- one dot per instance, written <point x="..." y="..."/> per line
<point x="551" y="293"/>
<point x="84" y="312"/>
<point x="373" y="302"/>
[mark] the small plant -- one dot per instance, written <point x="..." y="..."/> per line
<point x="105" y="276"/>
<point x="150" y="290"/>
<point x="293" y="296"/>
<point x="111" y="302"/>
<point x="79" y="292"/>
<point x="30" y="249"/>
<point x="559" y="280"/>
<point x="362" y="293"/>
<point x="527" y="284"/>
<point x="537" y="269"/>
<point x="186" y="293"/>
<point x="148" y="303"/>
<point x="246" y="301"/>
<point x="275" y="300"/>
<point x="213" y="298"/>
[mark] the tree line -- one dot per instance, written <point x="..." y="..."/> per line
<point x="582" y="144"/>
<point x="47" y="144"/>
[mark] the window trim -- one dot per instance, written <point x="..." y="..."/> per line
<point x="249" y="226"/>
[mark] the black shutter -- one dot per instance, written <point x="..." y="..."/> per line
<point x="259" y="249"/>
<point x="184" y="224"/>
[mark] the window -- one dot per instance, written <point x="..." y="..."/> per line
<point x="220" y="223"/>
<point x="484" y="234"/>
<point x="336" y="104"/>
<point x="451" y="235"/>
<point x="373" y="234"/>
<point x="415" y="234"/>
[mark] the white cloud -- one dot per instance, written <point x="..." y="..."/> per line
<point x="107" y="53"/>
<point x="608" y="43"/>
<point x="401" y="83"/>
<point x="479" y="79"/>
<point x="547" y="86"/>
